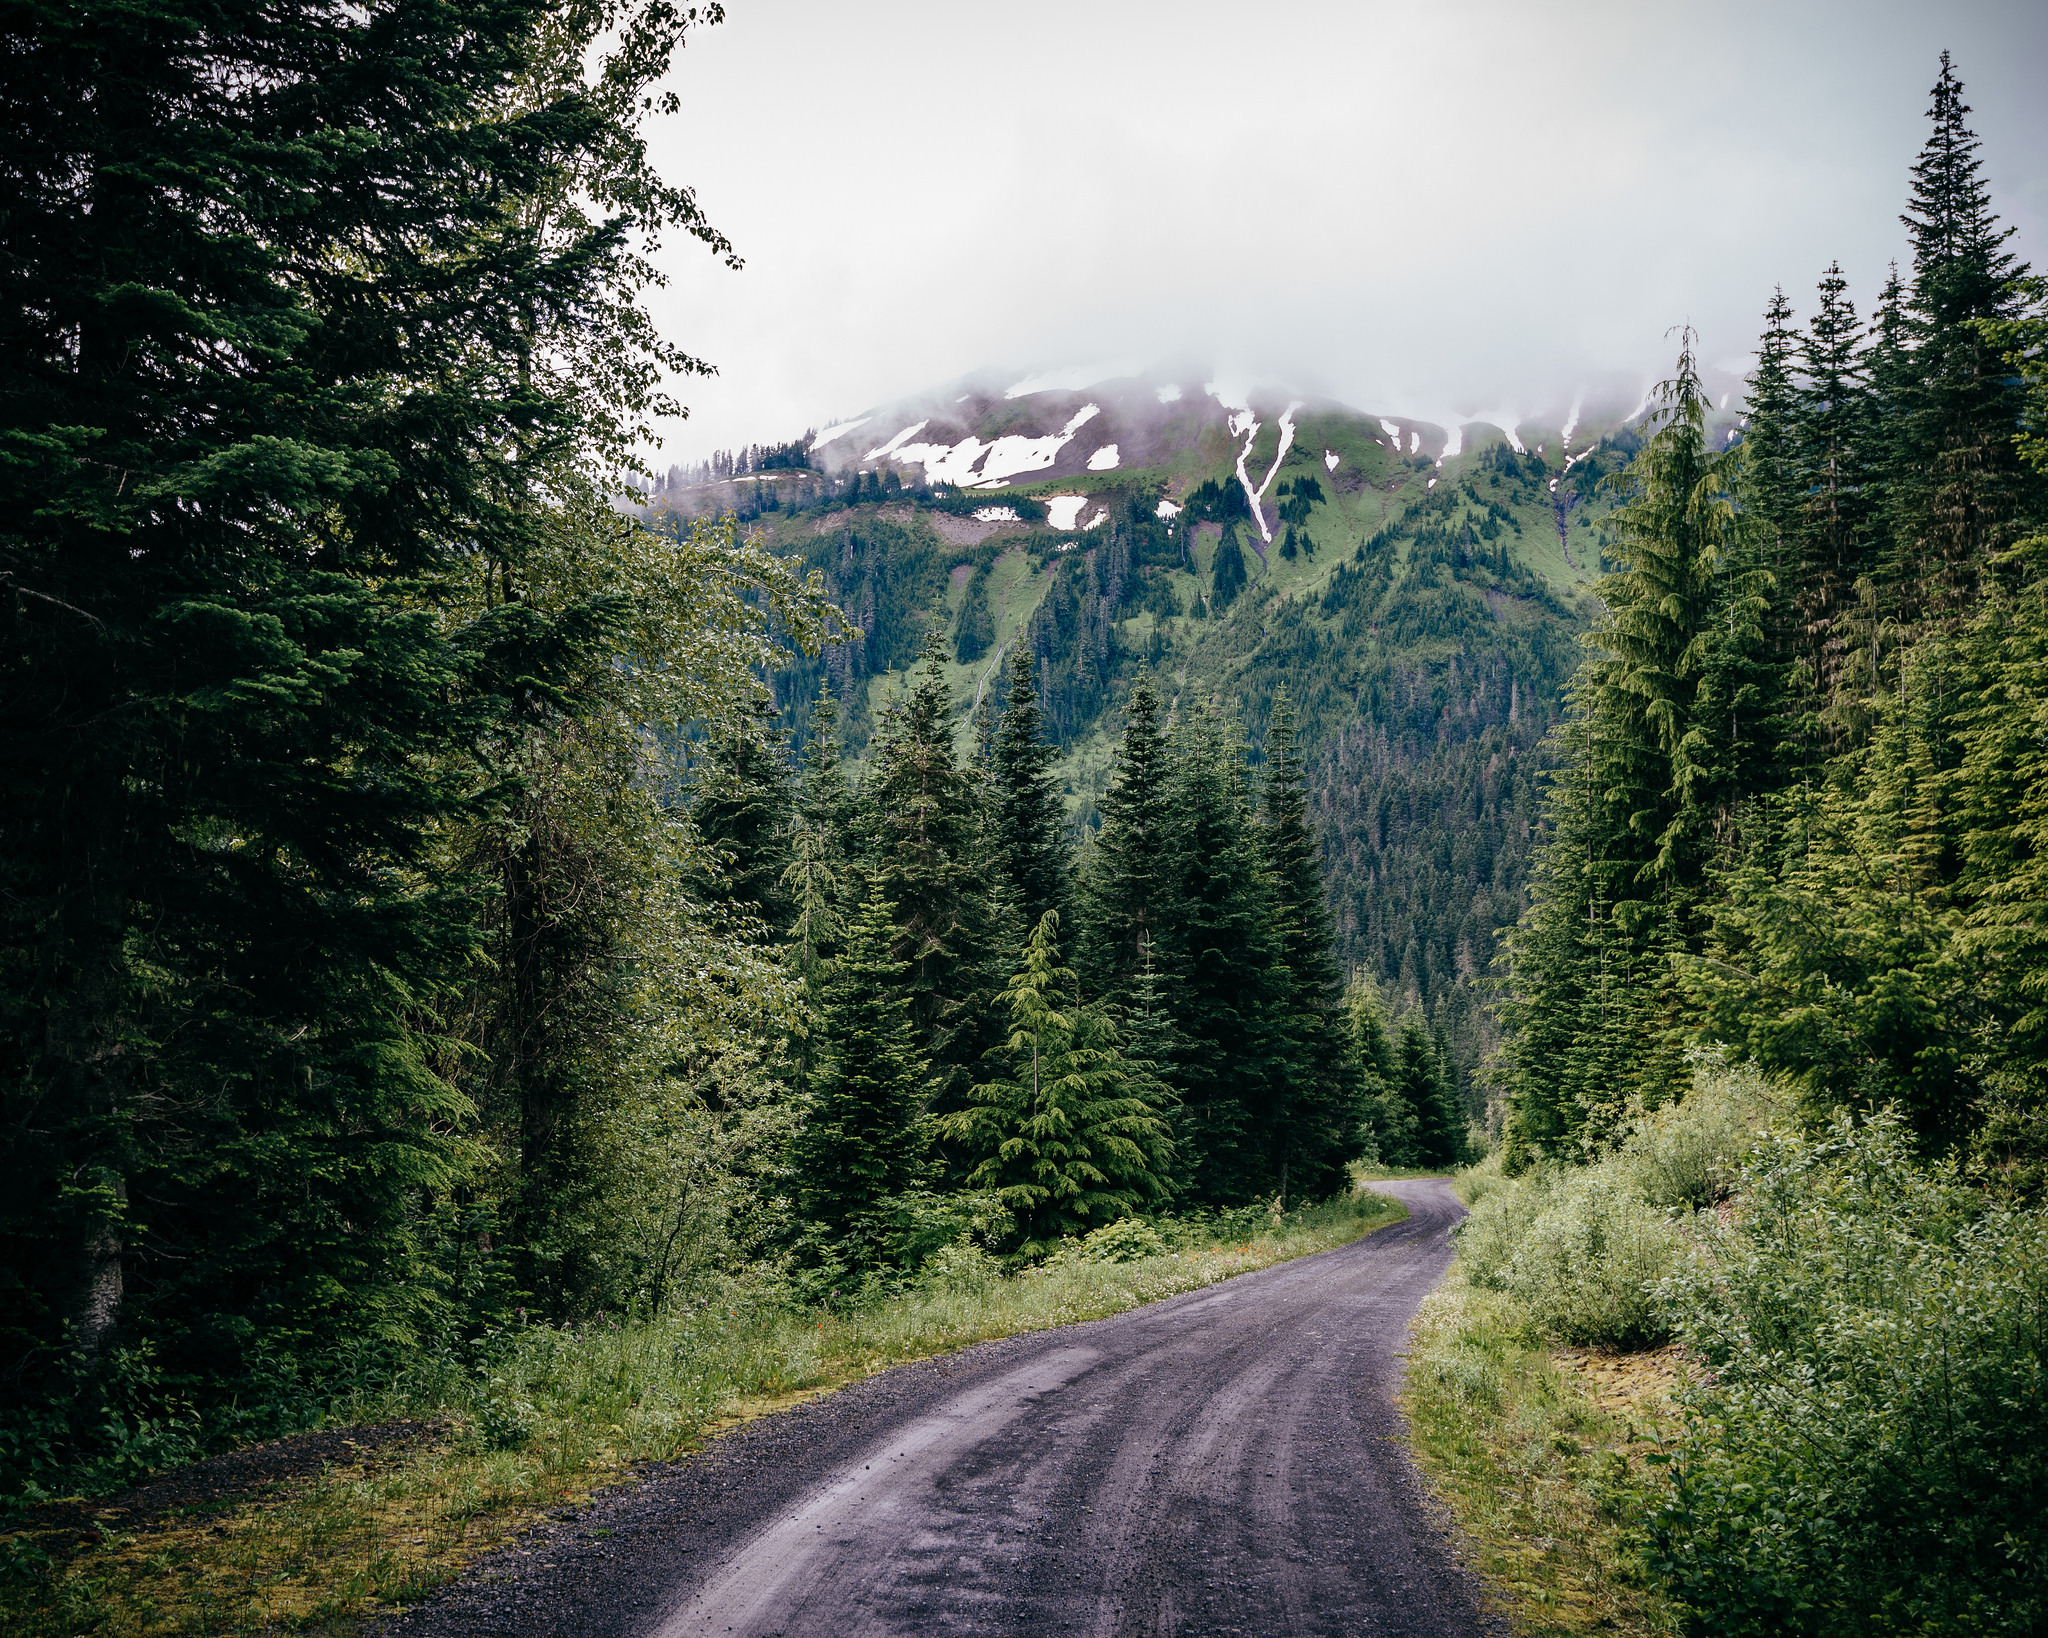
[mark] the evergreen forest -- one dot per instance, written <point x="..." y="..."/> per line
<point x="465" y="897"/>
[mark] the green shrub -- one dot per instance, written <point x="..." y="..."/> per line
<point x="1580" y="1250"/>
<point x="1689" y="1154"/>
<point x="1582" y="1246"/>
<point x="1869" y="1454"/>
<point x="1127" y="1240"/>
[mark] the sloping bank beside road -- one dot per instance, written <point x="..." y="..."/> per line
<point x="1229" y="1460"/>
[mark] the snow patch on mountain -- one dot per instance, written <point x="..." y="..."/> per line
<point x="1104" y="459"/>
<point x="1062" y="510"/>
<point x="973" y="464"/>
<point x="1330" y="459"/>
<point x="838" y="430"/>
<point x="1230" y="394"/>
<point x="1506" y="420"/>
<point x="896" y="442"/>
<point x="1572" y="421"/>
<point x="1169" y="395"/>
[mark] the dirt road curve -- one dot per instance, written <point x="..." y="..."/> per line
<point x="1228" y="1461"/>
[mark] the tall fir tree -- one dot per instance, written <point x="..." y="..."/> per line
<point x="1221" y="952"/>
<point x="1387" y="1123"/>
<point x="1832" y="434"/>
<point x="1067" y="1139"/>
<point x="284" y="383"/>
<point x="1125" y="888"/>
<point x="926" y="816"/>
<point x="1317" y="1114"/>
<point x="1439" y="1139"/>
<point x="1029" y="852"/>
<point x="1960" y="492"/>
<point x="863" y="1140"/>
<point x="742" y="803"/>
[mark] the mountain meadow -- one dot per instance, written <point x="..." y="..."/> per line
<point x="516" y="960"/>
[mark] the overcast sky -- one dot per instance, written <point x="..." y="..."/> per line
<point x="1408" y="207"/>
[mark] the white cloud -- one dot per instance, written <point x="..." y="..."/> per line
<point x="886" y="253"/>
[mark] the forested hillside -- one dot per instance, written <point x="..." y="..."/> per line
<point x="1417" y="592"/>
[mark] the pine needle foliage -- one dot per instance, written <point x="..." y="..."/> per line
<point x="1068" y="1139"/>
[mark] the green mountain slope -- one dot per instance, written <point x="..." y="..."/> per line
<point x="1418" y="592"/>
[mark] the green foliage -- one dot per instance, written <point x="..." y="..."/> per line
<point x="1226" y="569"/>
<point x="1030" y="853"/>
<point x="316" y="703"/>
<point x="1582" y="1248"/>
<point x="922" y="821"/>
<point x="975" y="634"/>
<point x="1072" y="1137"/>
<point x="1868" y="1453"/>
<point x="863" y="1141"/>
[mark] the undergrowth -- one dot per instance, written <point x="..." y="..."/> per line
<point x="535" y="1419"/>
<point x="1548" y="1483"/>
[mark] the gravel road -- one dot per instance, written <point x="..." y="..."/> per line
<point x="1227" y="1461"/>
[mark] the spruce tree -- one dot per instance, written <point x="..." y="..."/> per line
<point x="1317" y="1114"/>
<point x="1125" y="888"/>
<point x="1961" y="489"/>
<point x="310" y="314"/>
<point x="927" y="857"/>
<point x="1221" y="953"/>
<point x="1030" y="852"/>
<point x="1419" y="1074"/>
<point x="1831" y="437"/>
<point x="862" y="1143"/>
<point x="742" y="805"/>
<point x="1387" y="1121"/>
<point x="1066" y="1138"/>
<point x="1227" y="571"/>
<point x="1767" y="483"/>
<point x="826" y="799"/>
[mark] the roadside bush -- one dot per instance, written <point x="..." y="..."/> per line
<point x="1126" y="1240"/>
<point x="1689" y="1154"/>
<point x="1869" y="1454"/>
<point x="1581" y="1247"/>
<point x="1580" y="1250"/>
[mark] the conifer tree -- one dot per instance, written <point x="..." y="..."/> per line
<point x="1066" y="1139"/>
<point x="826" y="798"/>
<point x="1961" y="489"/>
<point x="1387" y="1119"/>
<point x="1029" y="844"/>
<point x="1418" y="1073"/>
<point x="1767" y="484"/>
<point x="1125" y="887"/>
<point x="1317" y="1114"/>
<point x="1220" y="951"/>
<point x="1831" y="435"/>
<point x="742" y="805"/>
<point x="862" y="1144"/>
<point x="926" y="856"/>
<point x="1666" y="738"/>
<point x="1227" y="572"/>
<point x="309" y="317"/>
